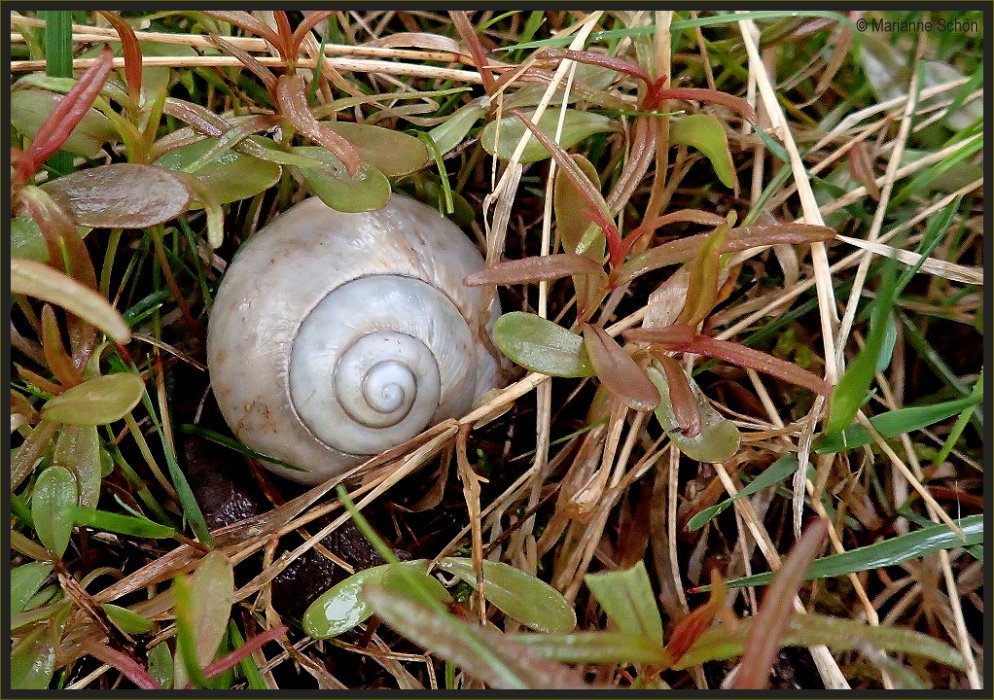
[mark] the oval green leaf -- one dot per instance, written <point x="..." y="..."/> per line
<point x="122" y="195"/>
<point x="540" y="345"/>
<point x="25" y="581"/>
<point x="32" y="660"/>
<point x="369" y="190"/>
<point x="523" y="597"/>
<point x="78" y="449"/>
<point x="718" y="438"/>
<point x="229" y="176"/>
<point x="342" y="606"/>
<point x="392" y="152"/>
<point x="26" y="240"/>
<point x="627" y="598"/>
<point x="30" y="108"/>
<point x="48" y="284"/>
<point x="453" y="130"/>
<point x="212" y="591"/>
<point x="126" y="620"/>
<point x="98" y="401"/>
<point x="52" y="501"/>
<point x="705" y="133"/>
<point x="576" y="127"/>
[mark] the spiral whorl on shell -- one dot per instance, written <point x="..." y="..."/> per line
<point x="336" y="336"/>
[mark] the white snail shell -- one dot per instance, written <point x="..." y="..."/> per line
<point x="336" y="336"/>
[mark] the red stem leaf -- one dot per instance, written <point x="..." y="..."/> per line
<point x="201" y="119"/>
<point x="122" y="662"/>
<point x="619" y="65"/>
<point x="468" y="34"/>
<point x="285" y="34"/>
<point x="771" y="622"/>
<point x="232" y="659"/>
<point x="742" y="238"/>
<point x="534" y="269"/>
<point x="598" y="212"/>
<point x="682" y="398"/>
<point x="708" y="95"/>
<point x="641" y="155"/>
<point x="618" y="370"/>
<point x="690" y="628"/>
<point x="291" y="97"/>
<point x="248" y="23"/>
<point x="733" y="353"/>
<point x="132" y="55"/>
<point x="64" y="118"/>
<point x="311" y="20"/>
<point x="247" y="60"/>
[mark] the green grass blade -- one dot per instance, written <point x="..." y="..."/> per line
<point x="774" y="474"/>
<point x="881" y="554"/>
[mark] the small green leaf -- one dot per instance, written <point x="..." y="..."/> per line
<point x="718" y="438"/>
<point x="854" y="384"/>
<point x="627" y="598"/>
<point x="392" y="152"/>
<point x="369" y="190"/>
<point x="122" y="195"/>
<point x="774" y="474"/>
<point x="32" y="660"/>
<point x="342" y="607"/>
<point x="126" y="620"/>
<point x="229" y="176"/>
<point x="78" y="449"/>
<point x="98" y="401"/>
<point x="48" y="284"/>
<point x="211" y="592"/>
<point x="30" y="108"/>
<point x="52" y="500"/>
<point x="26" y="240"/>
<point x="121" y="524"/>
<point x="521" y="596"/>
<point x="894" y="423"/>
<point x="160" y="665"/>
<point x="451" y="132"/>
<point x="705" y="133"/>
<point x="576" y="127"/>
<point x="540" y="345"/>
<point x="25" y="580"/>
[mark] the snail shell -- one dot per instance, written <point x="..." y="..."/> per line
<point x="336" y="336"/>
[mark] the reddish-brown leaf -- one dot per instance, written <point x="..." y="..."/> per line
<point x="696" y="623"/>
<point x="468" y="34"/>
<point x="734" y="353"/>
<point x="248" y="60"/>
<point x="618" y="370"/>
<point x="248" y="23"/>
<point x="598" y="211"/>
<point x="122" y="662"/>
<point x="770" y="624"/>
<point x="535" y="269"/>
<point x="682" y="398"/>
<point x="708" y="95"/>
<point x="132" y="55"/>
<point x="311" y="19"/>
<point x="232" y="659"/>
<point x="861" y="168"/>
<point x="64" y="118"/>
<point x="58" y="360"/>
<point x="741" y="238"/>
<point x="291" y="96"/>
